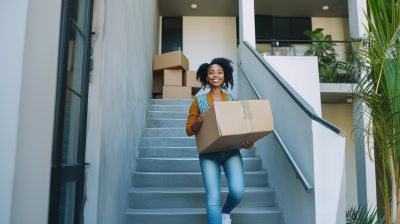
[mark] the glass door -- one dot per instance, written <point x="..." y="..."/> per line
<point x="68" y="159"/>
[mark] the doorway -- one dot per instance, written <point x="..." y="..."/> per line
<point x="68" y="156"/>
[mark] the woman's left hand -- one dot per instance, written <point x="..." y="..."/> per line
<point x="247" y="145"/>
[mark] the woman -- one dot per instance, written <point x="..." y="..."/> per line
<point x="218" y="75"/>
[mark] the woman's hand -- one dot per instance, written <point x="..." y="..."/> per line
<point x="200" y="119"/>
<point x="197" y="124"/>
<point x="247" y="145"/>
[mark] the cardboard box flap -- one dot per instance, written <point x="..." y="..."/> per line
<point x="244" y="117"/>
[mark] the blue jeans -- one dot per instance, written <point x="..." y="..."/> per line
<point x="232" y="163"/>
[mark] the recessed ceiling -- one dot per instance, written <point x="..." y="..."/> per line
<point x="277" y="8"/>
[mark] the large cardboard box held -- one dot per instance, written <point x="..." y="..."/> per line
<point x="175" y="59"/>
<point x="177" y="92"/>
<point x="227" y="124"/>
<point x="189" y="79"/>
<point x="172" y="77"/>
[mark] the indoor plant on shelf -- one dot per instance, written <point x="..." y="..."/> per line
<point x="325" y="51"/>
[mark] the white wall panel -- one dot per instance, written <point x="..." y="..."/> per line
<point x="302" y="74"/>
<point x="127" y="37"/>
<point x="205" y="38"/>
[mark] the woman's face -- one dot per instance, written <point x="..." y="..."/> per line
<point x="215" y="76"/>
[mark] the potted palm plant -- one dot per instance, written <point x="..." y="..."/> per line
<point x="376" y="68"/>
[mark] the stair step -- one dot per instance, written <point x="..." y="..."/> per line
<point x="173" y="152"/>
<point x="170" y="102"/>
<point x="195" y="197"/>
<point x="185" y="164"/>
<point x="191" y="179"/>
<point x="168" y="141"/>
<point x="164" y="132"/>
<point x="165" y="123"/>
<point x="183" y="108"/>
<point x="168" y="114"/>
<point x="260" y="215"/>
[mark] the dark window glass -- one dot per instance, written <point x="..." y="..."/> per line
<point x="263" y="25"/>
<point x="171" y="34"/>
<point x="299" y="26"/>
<point x="281" y="27"/>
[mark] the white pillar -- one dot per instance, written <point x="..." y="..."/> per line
<point x="366" y="178"/>
<point x="356" y="17"/>
<point x="247" y="30"/>
<point x="29" y="61"/>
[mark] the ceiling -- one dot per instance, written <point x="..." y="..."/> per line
<point x="277" y="8"/>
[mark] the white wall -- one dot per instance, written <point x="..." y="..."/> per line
<point x="337" y="27"/>
<point x="302" y="74"/>
<point x="203" y="42"/>
<point x="341" y="115"/>
<point x="329" y="164"/>
<point x="27" y="99"/>
<point x="124" y="44"/>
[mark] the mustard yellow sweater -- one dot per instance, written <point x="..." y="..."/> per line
<point x="194" y="111"/>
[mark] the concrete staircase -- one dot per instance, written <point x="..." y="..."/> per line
<point x="167" y="186"/>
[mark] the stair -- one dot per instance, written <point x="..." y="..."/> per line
<point x="167" y="186"/>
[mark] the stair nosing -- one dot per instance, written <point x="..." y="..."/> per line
<point x="166" y="119"/>
<point x="197" y="173"/>
<point x="188" y="158"/>
<point x="192" y="189"/>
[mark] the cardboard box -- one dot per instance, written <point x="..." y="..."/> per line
<point x="177" y="92"/>
<point x="172" y="77"/>
<point x="157" y="83"/>
<point x="159" y="97"/>
<point x="227" y="124"/>
<point x="193" y="97"/>
<point x="189" y="79"/>
<point x="176" y="60"/>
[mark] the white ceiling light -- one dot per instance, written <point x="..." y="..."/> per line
<point x="193" y="6"/>
<point x="325" y="7"/>
<point x="349" y="100"/>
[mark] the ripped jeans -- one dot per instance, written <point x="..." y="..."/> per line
<point x="232" y="163"/>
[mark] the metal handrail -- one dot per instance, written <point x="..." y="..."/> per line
<point x="306" y="41"/>
<point x="299" y="175"/>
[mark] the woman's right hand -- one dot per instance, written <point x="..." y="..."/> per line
<point x="197" y="124"/>
<point x="201" y="117"/>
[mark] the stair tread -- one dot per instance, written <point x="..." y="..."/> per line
<point x="160" y="211"/>
<point x="191" y="189"/>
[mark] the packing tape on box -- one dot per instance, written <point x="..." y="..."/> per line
<point x="248" y="115"/>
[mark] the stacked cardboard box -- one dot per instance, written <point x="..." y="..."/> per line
<point x="172" y="78"/>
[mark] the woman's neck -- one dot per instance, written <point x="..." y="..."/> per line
<point x="216" y="91"/>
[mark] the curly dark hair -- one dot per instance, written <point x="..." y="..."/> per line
<point x="225" y="63"/>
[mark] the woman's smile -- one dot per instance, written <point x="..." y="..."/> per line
<point x="216" y="80"/>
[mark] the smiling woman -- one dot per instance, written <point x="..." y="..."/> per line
<point x="217" y="75"/>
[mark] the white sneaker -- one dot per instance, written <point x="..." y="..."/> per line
<point x="226" y="218"/>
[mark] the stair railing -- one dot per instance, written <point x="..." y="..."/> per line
<point x="299" y="175"/>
